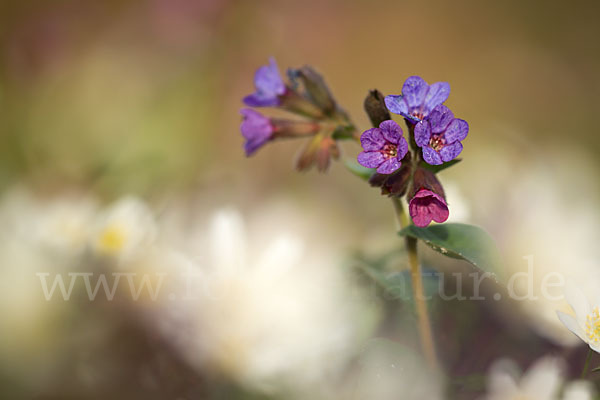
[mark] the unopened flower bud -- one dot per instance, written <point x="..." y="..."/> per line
<point x="294" y="102"/>
<point x="375" y="107"/>
<point x="396" y="183"/>
<point x="319" y="152"/>
<point x="316" y="89"/>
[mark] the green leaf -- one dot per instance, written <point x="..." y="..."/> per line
<point x="437" y="168"/>
<point x="462" y="241"/>
<point x="359" y="170"/>
<point x="595" y="369"/>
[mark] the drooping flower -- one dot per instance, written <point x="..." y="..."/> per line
<point x="269" y="86"/>
<point x="256" y="128"/>
<point x="440" y="135"/>
<point x="542" y="381"/>
<point x="427" y="206"/>
<point x="418" y="98"/>
<point x="586" y="322"/>
<point x="384" y="147"/>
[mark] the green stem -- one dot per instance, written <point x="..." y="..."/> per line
<point x="586" y="366"/>
<point x="424" y="324"/>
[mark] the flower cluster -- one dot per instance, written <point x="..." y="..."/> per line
<point x="436" y="131"/>
<point x="323" y="120"/>
<point x="435" y="136"/>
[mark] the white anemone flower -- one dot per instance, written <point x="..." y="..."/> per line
<point x="271" y="316"/>
<point x="124" y="229"/>
<point x="586" y="321"/>
<point x="542" y="381"/>
<point x="65" y="224"/>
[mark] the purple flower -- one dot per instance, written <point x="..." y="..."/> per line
<point x="418" y="98"/>
<point x="426" y="206"/>
<point x="440" y="135"/>
<point x="269" y="86"/>
<point x="384" y="147"/>
<point x="256" y="128"/>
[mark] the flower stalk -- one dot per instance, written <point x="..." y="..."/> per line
<point x="424" y="323"/>
<point x="586" y="365"/>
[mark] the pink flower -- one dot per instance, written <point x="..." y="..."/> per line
<point x="426" y="206"/>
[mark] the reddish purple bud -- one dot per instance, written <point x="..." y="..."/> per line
<point x="426" y="206"/>
<point x="319" y="152"/>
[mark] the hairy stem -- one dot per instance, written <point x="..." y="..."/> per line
<point x="424" y="323"/>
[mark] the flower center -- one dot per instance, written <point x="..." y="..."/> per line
<point x="390" y="150"/>
<point x="418" y="113"/>
<point x="437" y="142"/>
<point x="112" y="240"/>
<point x="592" y="325"/>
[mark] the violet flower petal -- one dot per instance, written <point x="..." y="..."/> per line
<point x="391" y="131"/>
<point x="438" y="93"/>
<point x="252" y="145"/>
<point x="402" y="148"/>
<point x="422" y="133"/>
<point x="370" y="159"/>
<point x="396" y="104"/>
<point x="457" y="131"/>
<point x="389" y="166"/>
<point x="431" y="156"/>
<point x="440" y="117"/>
<point x="261" y="100"/>
<point x="372" y="139"/>
<point x="256" y="129"/>
<point x="451" y="151"/>
<point x="414" y="91"/>
<point x="268" y="81"/>
<point x="255" y="125"/>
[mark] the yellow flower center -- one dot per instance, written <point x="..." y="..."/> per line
<point x="592" y="325"/>
<point x="112" y="239"/>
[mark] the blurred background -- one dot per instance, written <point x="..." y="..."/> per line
<point x="125" y="108"/>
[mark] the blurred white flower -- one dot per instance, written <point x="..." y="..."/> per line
<point x="39" y="235"/>
<point x="65" y="224"/>
<point x="543" y="230"/>
<point x="586" y="322"/>
<point x="276" y="317"/>
<point x="542" y="381"/>
<point x="60" y="222"/>
<point x="124" y="229"/>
